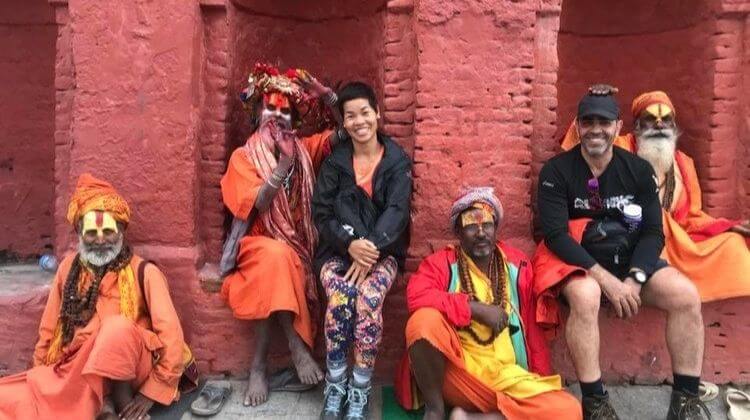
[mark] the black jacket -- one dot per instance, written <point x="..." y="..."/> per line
<point x="343" y="212"/>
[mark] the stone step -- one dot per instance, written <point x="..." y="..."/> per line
<point x="23" y="294"/>
<point x="630" y="402"/>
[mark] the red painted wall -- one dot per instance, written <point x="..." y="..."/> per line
<point x="27" y="98"/>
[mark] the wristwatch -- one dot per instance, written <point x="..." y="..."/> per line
<point x="639" y="276"/>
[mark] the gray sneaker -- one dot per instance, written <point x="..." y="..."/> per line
<point x="335" y="397"/>
<point x="358" y="402"/>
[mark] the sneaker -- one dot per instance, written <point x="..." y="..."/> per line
<point x="686" y="406"/>
<point x="597" y="407"/>
<point x="334" y="398"/>
<point x="357" y="402"/>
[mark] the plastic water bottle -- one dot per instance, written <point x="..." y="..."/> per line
<point x="632" y="215"/>
<point x="48" y="262"/>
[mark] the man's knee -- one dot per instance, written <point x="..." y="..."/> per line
<point x="423" y="324"/>
<point x="118" y="326"/>
<point x="277" y="252"/>
<point x="118" y="331"/>
<point x="679" y="294"/>
<point x="583" y="295"/>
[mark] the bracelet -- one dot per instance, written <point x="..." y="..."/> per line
<point x="277" y="177"/>
<point x="331" y="98"/>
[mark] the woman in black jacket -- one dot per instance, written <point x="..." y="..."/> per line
<point x="361" y="208"/>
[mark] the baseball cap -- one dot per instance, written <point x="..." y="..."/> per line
<point x="604" y="106"/>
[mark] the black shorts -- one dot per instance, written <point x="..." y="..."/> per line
<point x="660" y="263"/>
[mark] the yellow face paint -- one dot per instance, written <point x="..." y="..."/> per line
<point x="478" y="215"/>
<point x="658" y="111"/>
<point x="98" y="221"/>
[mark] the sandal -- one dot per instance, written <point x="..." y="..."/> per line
<point x="708" y="391"/>
<point x="287" y="380"/>
<point x="212" y="398"/>
<point x="739" y="404"/>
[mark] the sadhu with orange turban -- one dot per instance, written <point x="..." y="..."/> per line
<point x="109" y="328"/>
<point x="697" y="244"/>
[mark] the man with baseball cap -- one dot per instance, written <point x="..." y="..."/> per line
<point x="601" y="218"/>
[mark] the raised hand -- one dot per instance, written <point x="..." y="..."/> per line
<point x="311" y="85"/>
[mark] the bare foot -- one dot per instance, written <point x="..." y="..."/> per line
<point x="459" y="413"/>
<point x="307" y="370"/>
<point x="257" y="388"/>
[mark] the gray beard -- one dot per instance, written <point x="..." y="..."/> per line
<point x="99" y="258"/>
<point x="658" y="151"/>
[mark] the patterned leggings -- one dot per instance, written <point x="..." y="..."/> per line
<point x="355" y="312"/>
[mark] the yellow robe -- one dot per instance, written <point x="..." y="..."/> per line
<point x="495" y="364"/>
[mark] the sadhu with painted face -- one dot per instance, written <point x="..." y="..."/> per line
<point x="268" y="255"/>
<point x="110" y="342"/>
<point x="472" y="339"/>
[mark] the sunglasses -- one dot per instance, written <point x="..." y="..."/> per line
<point x="595" y="200"/>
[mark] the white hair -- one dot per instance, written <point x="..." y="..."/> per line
<point x="657" y="146"/>
<point x="100" y="257"/>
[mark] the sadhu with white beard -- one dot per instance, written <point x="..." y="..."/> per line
<point x="712" y="252"/>
<point x="110" y="342"/>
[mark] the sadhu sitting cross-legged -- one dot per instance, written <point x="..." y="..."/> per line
<point x="105" y="332"/>
<point x="471" y="338"/>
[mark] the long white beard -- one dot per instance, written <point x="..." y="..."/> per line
<point x="99" y="258"/>
<point x="657" y="150"/>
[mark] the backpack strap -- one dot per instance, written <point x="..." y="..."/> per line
<point x="140" y="276"/>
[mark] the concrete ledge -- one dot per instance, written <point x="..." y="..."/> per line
<point x="23" y="294"/>
<point x="635" y="351"/>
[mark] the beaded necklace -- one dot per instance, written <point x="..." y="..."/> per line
<point x="77" y="309"/>
<point x="496" y="275"/>
<point x="668" y="186"/>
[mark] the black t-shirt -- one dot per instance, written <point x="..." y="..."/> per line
<point x="564" y="195"/>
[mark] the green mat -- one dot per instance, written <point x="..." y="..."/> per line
<point x="393" y="411"/>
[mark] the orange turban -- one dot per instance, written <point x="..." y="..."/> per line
<point x="94" y="194"/>
<point x="647" y="99"/>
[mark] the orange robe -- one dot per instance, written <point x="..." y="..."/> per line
<point x="700" y="246"/>
<point x="270" y="275"/>
<point x="147" y="352"/>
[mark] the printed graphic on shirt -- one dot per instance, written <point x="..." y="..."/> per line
<point x="616" y="202"/>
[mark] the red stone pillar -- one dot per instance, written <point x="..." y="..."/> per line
<point x="127" y="112"/>
<point x="544" y="143"/>
<point x="721" y="178"/>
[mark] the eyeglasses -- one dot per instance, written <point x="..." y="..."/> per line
<point x="595" y="200"/>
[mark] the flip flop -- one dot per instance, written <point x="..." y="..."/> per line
<point x="212" y="398"/>
<point x="739" y="404"/>
<point x="708" y="391"/>
<point x="287" y="380"/>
